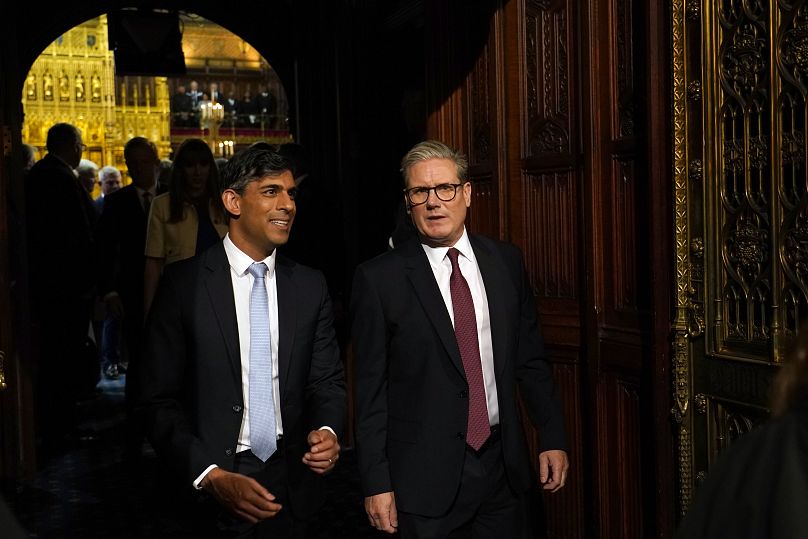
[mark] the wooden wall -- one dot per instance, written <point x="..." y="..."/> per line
<point x="553" y="111"/>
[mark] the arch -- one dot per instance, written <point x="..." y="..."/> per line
<point x="272" y="46"/>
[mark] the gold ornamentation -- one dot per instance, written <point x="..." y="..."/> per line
<point x="701" y="403"/>
<point x="694" y="91"/>
<point x="744" y="60"/>
<point x="3" y="384"/>
<point x="793" y="148"/>
<point x="693" y="10"/>
<point x="747" y="248"/>
<point x="47" y="86"/>
<point x="30" y="87"/>
<point x="95" y="88"/>
<point x="80" y="89"/>
<point x="64" y="86"/>
<point x="696" y="171"/>
<point x="681" y="356"/>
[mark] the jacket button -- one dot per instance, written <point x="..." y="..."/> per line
<point x="460" y="435"/>
<point x="236" y="408"/>
<point x="463" y="394"/>
<point x="228" y="452"/>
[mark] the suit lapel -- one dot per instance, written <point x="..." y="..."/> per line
<point x="426" y="289"/>
<point x="287" y="316"/>
<point x="495" y="290"/>
<point x="223" y="305"/>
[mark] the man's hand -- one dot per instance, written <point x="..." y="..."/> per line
<point x="553" y="467"/>
<point x="381" y="510"/>
<point x="241" y="495"/>
<point x="323" y="451"/>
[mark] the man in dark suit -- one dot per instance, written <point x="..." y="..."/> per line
<point x="242" y="384"/>
<point x="122" y="236"/>
<point x="61" y="220"/>
<point x="109" y="178"/>
<point x="266" y="106"/>
<point x="445" y="330"/>
<point x="181" y="107"/>
<point x="231" y="109"/>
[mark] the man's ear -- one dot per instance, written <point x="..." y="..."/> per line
<point x="232" y="202"/>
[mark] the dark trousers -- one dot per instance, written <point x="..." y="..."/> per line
<point x="485" y="506"/>
<point x="110" y="334"/>
<point x="68" y="365"/>
<point x="216" y="522"/>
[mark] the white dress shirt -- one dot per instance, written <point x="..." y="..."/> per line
<point x="242" y="286"/>
<point x="442" y="268"/>
<point x="242" y="281"/>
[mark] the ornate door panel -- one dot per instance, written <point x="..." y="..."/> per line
<point x="740" y="70"/>
<point x="548" y="113"/>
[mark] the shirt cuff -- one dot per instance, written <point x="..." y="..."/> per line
<point x="329" y="429"/>
<point x="199" y="479"/>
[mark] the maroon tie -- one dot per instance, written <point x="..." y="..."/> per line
<point x="465" y="326"/>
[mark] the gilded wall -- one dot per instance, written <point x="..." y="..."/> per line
<point x="740" y="75"/>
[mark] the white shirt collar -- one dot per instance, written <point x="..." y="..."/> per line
<point x="436" y="255"/>
<point x="240" y="262"/>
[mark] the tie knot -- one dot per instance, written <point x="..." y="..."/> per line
<point x="258" y="270"/>
<point x="453" y="254"/>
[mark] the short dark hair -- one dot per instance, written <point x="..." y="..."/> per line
<point x="252" y="164"/>
<point x="61" y="136"/>
<point x="138" y="142"/>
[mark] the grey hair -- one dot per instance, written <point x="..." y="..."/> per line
<point x="434" y="149"/>
<point x="108" y="171"/>
<point x="87" y="165"/>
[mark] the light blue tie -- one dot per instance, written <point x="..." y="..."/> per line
<point x="262" y="406"/>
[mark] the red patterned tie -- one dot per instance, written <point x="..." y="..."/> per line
<point x="465" y="325"/>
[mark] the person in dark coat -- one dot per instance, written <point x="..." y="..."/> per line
<point x="759" y="485"/>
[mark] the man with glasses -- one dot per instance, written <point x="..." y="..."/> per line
<point x="60" y="223"/>
<point x="445" y="329"/>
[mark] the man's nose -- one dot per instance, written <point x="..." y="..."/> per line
<point x="432" y="200"/>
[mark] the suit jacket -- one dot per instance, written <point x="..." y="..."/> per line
<point x="192" y="391"/>
<point x="61" y="221"/>
<point x="411" y="391"/>
<point x="181" y="103"/>
<point x="122" y="237"/>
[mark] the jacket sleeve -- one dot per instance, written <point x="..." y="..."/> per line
<point x="533" y="372"/>
<point x="370" y="364"/>
<point x="163" y="374"/>
<point x="325" y="391"/>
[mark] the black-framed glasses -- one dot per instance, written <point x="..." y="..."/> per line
<point x="445" y="192"/>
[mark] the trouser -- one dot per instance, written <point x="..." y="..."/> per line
<point x="485" y="506"/>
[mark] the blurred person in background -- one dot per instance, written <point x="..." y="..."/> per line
<point x="187" y="219"/>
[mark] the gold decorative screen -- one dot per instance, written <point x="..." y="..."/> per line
<point x="740" y="77"/>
